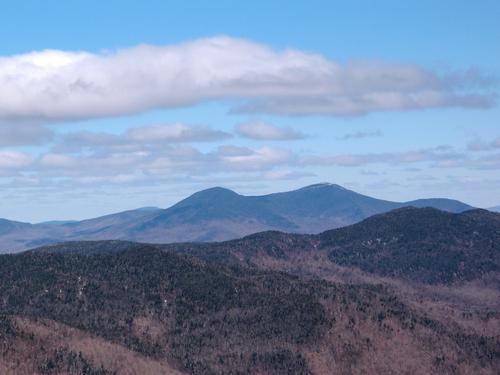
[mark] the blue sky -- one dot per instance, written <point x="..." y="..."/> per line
<point x="393" y="100"/>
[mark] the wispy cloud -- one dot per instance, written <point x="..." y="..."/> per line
<point x="15" y="160"/>
<point x="175" y="133"/>
<point x="264" y="131"/>
<point x="54" y="85"/>
<point x="436" y="156"/>
<point x="361" y="134"/>
<point x="478" y="145"/>
<point x="139" y="138"/>
<point x="133" y="159"/>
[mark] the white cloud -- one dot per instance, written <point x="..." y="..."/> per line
<point x="182" y="159"/>
<point x="14" y="159"/>
<point x="113" y="179"/>
<point x="174" y="133"/>
<point x="52" y="160"/>
<point x="138" y="138"/>
<point x="436" y="156"/>
<point x="246" y="159"/>
<point x="56" y="85"/>
<point x="287" y="175"/>
<point x="264" y="131"/>
<point x="364" y="103"/>
<point x="145" y="164"/>
<point x="23" y="134"/>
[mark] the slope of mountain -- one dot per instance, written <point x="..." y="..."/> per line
<point x="113" y="226"/>
<point x="312" y="209"/>
<point x="15" y="236"/>
<point x="420" y="244"/>
<point x="210" y="215"/>
<point x="442" y="204"/>
<point x="494" y="209"/>
<point x="7" y="226"/>
<point x="149" y="311"/>
<point x="416" y="244"/>
<point x="219" y="214"/>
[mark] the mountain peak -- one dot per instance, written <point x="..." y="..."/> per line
<point x="322" y="185"/>
<point x="219" y="213"/>
<point x="216" y="191"/>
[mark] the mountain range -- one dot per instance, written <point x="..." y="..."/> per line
<point x="413" y="290"/>
<point x="218" y="214"/>
<point x="422" y="245"/>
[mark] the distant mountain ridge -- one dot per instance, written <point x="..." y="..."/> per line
<point x="218" y="214"/>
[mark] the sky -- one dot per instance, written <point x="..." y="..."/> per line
<point x="113" y="105"/>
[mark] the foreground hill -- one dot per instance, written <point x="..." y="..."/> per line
<point x="219" y="214"/>
<point x="417" y="244"/>
<point x="421" y="244"/>
<point x="147" y="311"/>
